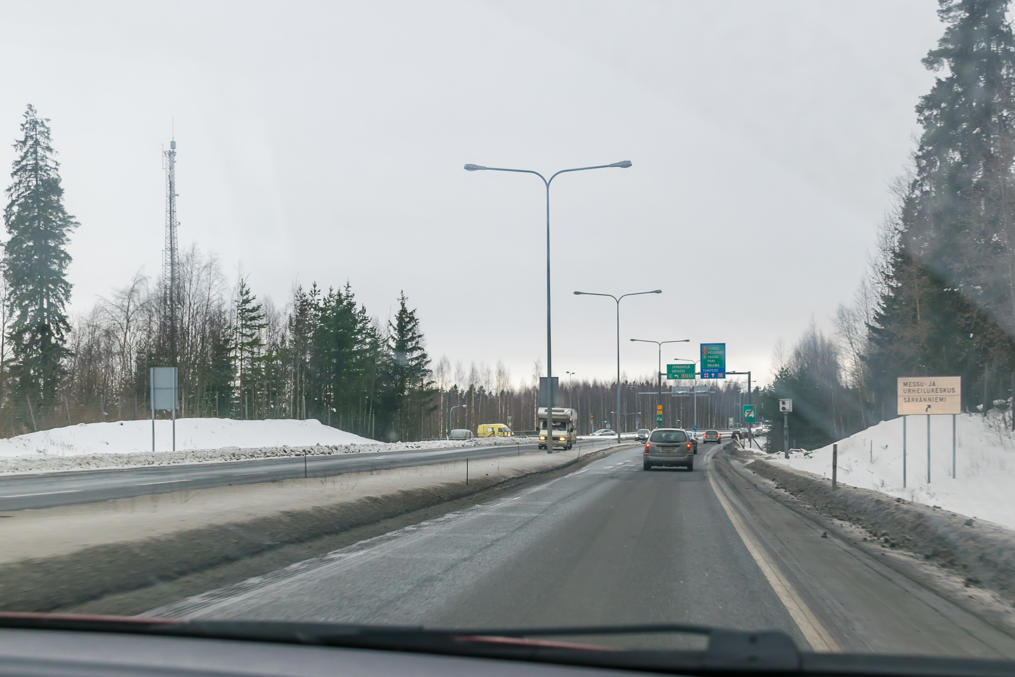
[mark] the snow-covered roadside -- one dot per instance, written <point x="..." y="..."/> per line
<point x="125" y="437"/>
<point x="872" y="459"/>
<point x="123" y="444"/>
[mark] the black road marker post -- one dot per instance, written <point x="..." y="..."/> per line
<point x="835" y="465"/>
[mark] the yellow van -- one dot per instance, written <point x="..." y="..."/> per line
<point x="493" y="430"/>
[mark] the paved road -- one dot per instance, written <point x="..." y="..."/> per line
<point x="20" y="492"/>
<point x="609" y="544"/>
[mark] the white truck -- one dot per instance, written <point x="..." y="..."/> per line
<point x="559" y="431"/>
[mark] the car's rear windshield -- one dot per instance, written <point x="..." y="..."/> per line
<point x="669" y="436"/>
<point x="711" y="432"/>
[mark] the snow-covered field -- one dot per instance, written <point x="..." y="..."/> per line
<point x="198" y="440"/>
<point x="984" y="485"/>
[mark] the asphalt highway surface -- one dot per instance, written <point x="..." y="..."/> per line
<point x="614" y="544"/>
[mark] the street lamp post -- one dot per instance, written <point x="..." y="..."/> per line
<point x="623" y="164"/>
<point x="450" y="419"/>
<point x="570" y="376"/>
<point x="694" y="388"/>
<point x="618" y="299"/>
<point x="659" y="366"/>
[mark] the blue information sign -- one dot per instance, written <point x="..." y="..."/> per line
<point x="713" y="360"/>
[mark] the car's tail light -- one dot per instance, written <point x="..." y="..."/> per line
<point x="688" y="445"/>
<point x="647" y="447"/>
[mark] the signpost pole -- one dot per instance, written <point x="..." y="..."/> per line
<point x="176" y="386"/>
<point x="928" y="448"/>
<point x="953" y="446"/>
<point x="903" y="451"/>
<point x="785" y="433"/>
<point x="151" y="382"/>
<point x="750" y="424"/>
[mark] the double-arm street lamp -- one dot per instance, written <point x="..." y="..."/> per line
<point x="570" y="394"/>
<point x="659" y="368"/>
<point x="618" y="299"/>
<point x="624" y="164"/>
<point x="451" y="412"/>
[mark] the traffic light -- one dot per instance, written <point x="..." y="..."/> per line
<point x="659" y="410"/>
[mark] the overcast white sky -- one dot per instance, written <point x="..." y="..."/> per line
<point x="325" y="141"/>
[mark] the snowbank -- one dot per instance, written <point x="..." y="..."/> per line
<point x="872" y="459"/>
<point x="125" y="437"/>
<point x="125" y="444"/>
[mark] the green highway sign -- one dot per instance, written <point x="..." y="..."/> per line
<point x="678" y="371"/>
<point x="713" y="360"/>
<point x="750" y="413"/>
<point x="659" y="419"/>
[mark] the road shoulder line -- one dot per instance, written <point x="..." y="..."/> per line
<point x="810" y="627"/>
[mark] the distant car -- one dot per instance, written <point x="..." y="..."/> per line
<point x="493" y="430"/>
<point x="693" y="435"/>
<point x="604" y="432"/>
<point x="460" y="434"/>
<point x="668" y="446"/>
<point x="713" y="436"/>
<point x="642" y="434"/>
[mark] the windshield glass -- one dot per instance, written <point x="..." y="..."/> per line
<point x="290" y="289"/>
<point x="668" y="436"/>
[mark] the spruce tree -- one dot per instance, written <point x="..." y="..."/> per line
<point x="248" y="347"/>
<point x="35" y="265"/>
<point x="949" y="304"/>
<point x="408" y="367"/>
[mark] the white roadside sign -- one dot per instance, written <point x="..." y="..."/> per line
<point x="930" y="395"/>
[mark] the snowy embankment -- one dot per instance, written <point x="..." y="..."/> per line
<point x="872" y="459"/>
<point x="198" y="440"/>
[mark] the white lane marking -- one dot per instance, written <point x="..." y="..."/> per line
<point x="813" y="631"/>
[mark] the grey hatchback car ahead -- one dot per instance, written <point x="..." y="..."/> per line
<point x="669" y="446"/>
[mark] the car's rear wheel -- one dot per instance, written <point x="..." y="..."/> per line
<point x="690" y="466"/>
<point x="645" y="465"/>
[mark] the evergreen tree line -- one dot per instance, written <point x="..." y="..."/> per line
<point x="321" y="357"/>
<point x="939" y="299"/>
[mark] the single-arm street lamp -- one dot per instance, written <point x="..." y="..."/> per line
<point x="450" y="413"/>
<point x="618" y="299"/>
<point x="623" y="164"/>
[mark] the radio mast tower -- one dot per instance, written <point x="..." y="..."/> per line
<point x="171" y="295"/>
